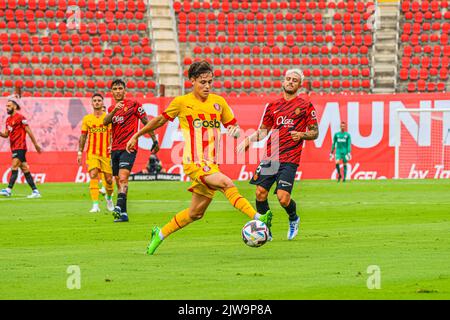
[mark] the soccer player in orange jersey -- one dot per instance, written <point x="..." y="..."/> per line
<point x="200" y="114"/>
<point x="98" y="157"/>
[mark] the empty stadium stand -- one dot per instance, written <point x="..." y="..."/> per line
<point x="251" y="43"/>
<point x="424" y="48"/>
<point x="70" y="48"/>
<point x="355" y="46"/>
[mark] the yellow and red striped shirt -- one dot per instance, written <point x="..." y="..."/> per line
<point x="200" y="125"/>
<point x="99" y="135"/>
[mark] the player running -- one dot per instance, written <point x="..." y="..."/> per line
<point x="288" y="118"/>
<point x="124" y="116"/>
<point x="343" y="145"/>
<point x="98" y="156"/>
<point x="17" y="129"/>
<point x="200" y="114"/>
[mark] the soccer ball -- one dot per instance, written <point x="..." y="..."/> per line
<point x="255" y="233"/>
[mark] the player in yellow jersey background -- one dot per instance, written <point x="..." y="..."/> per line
<point x="98" y="156"/>
<point x="201" y="114"/>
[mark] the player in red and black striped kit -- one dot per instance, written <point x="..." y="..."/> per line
<point x="124" y="116"/>
<point x="17" y="129"/>
<point x="291" y="119"/>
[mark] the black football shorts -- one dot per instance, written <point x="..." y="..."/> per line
<point x="20" y="154"/>
<point x="269" y="172"/>
<point x="121" y="159"/>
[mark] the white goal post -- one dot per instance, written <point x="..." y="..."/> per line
<point x="422" y="142"/>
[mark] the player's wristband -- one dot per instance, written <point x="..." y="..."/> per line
<point x="80" y="153"/>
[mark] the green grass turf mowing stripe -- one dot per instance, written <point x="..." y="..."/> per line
<point x="400" y="226"/>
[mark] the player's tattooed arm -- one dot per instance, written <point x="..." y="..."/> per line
<point x="81" y="144"/>
<point x="33" y="139"/>
<point x="311" y="134"/>
<point x="144" y="120"/>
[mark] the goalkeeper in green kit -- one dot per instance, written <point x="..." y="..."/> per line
<point x="343" y="145"/>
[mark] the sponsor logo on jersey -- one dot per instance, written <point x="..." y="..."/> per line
<point x="206" y="168"/>
<point x="283" y="120"/>
<point x="198" y="123"/>
<point x="117" y="119"/>
<point x="217" y="106"/>
<point x="99" y="129"/>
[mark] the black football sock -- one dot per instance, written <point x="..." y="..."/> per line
<point x="30" y="180"/>
<point x="291" y="210"/>
<point x="338" y="170"/>
<point x="124" y="209"/>
<point x="262" y="206"/>
<point x="13" y="178"/>
<point x="122" y="201"/>
<point x="345" y="171"/>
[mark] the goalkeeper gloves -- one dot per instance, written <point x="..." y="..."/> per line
<point x="331" y="156"/>
<point x="348" y="156"/>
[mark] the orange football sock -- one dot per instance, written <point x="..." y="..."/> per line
<point x="239" y="202"/>
<point x="109" y="187"/>
<point x="94" y="190"/>
<point x="180" y="220"/>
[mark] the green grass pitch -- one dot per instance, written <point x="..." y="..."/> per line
<point x="400" y="226"/>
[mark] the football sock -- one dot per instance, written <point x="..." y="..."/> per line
<point x="345" y="171"/>
<point x="239" y="202"/>
<point x="180" y="220"/>
<point x="262" y="206"/>
<point x="291" y="210"/>
<point x="338" y="170"/>
<point x="94" y="190"/>
<point x="109" y="189"/>
<point x="122" y="201"/>
<point x="30" y="180"/>
<point x="13" y="178"/>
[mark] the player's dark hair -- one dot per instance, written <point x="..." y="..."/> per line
<point x="198" y="68"/>
<point x="118" y="82"/>
<point x="97" y="95"/>
<point x="16" y="104"/>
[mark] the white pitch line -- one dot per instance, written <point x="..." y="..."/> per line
<point x="13" y="198"/>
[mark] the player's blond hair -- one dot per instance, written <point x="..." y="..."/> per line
<point x="298" y="72"/>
